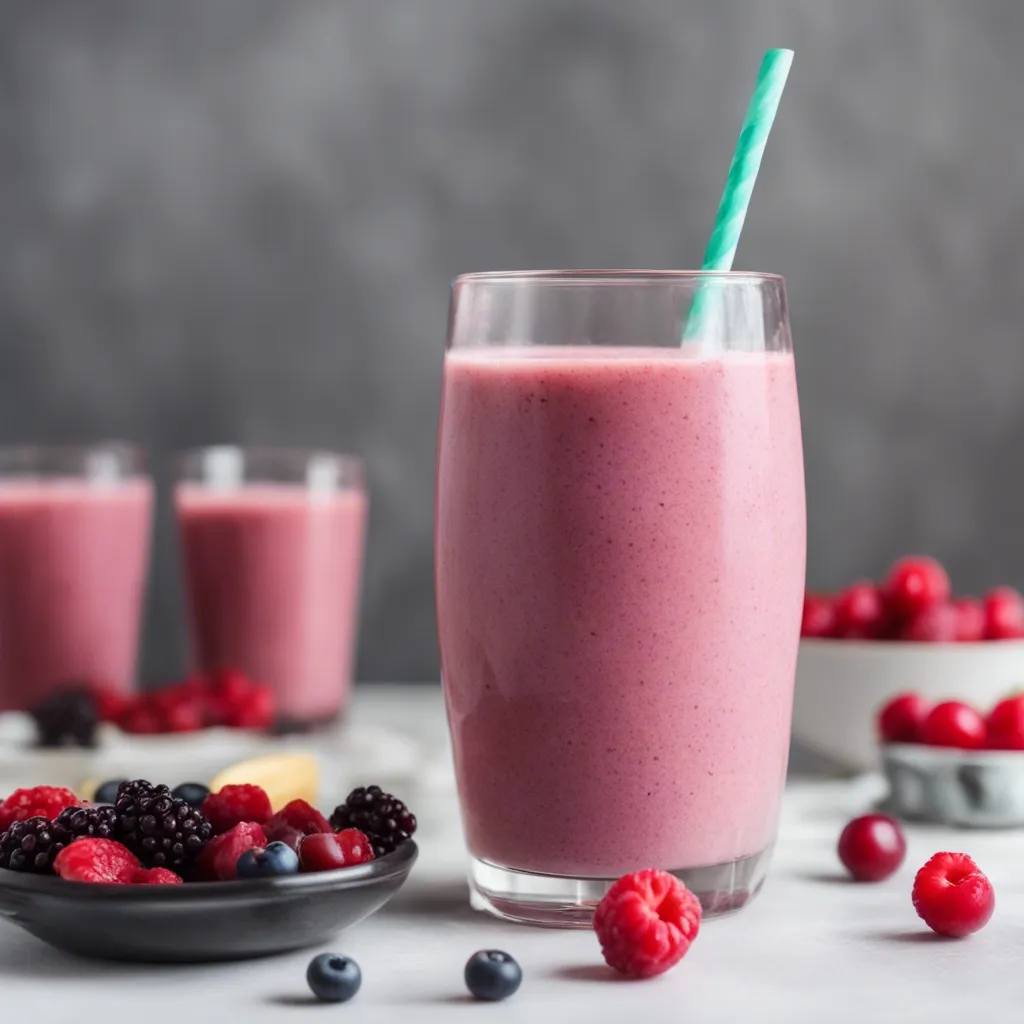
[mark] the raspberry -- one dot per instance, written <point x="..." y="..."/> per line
<point x="936" y="624"/>
<point x="233" y="804"/>
<point x="1004" y="614"/>
<point x="219" y="860"/>
<point x="379" y="815"/>
<point x="954" y="724"/>
<point x="646" y="923"/>
<point x="1005" y="725"/>
<point x="902" y="719"/>
<point x="39" y="801"/>
<point x="139" y="718"/>
<point x="325" y="851"/>
<point x="254" y="711"/>
<point x="872" y="847"/>
<point x="298" y="815"/>
<point x="32" y="845"/>
<point x="96" y="860"/>
<point x="819" y="616"/>
<point x="155" y="876"/>
<point x="291" y="837"/>
<point x="859" y="612"/>
<point x="952" y="896"/>
<point x="109" y="705"/>
<point x="970" y="620"/>
<point x="915" y="583"/>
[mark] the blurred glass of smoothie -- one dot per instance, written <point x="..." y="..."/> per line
<point x="272" y="543"/>
<point x="74" y="550"/>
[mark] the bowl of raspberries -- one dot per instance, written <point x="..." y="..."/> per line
<point x="954" y="763"/>
<point x="874" y="640"/>
<point x="150" y="873"/>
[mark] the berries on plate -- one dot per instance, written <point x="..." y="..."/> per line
<point x="1005" y="724"/>
<point x="299" y="815"/>
<point x="106" y="792"/>
<point x="218" y="861"/>
<point x="88" y="822"/>
<point x="379" y="815"/>
<point x="872" y="847"/>
<point x="819" y="617"/>
<point x="193" y="793"/>
<point x="859" y="612"/>
<point x="39" y="801"/>
<point x="96" y="860"/>
<point x="67" y="718"/>
<point x="233" y="804"/>
<point x="902" y="719"/>
<point x="954" y="724"/>
<point x="1004" y="614"/>
<point x="328" y="851"/>
<point x="155" y="876"/>
<point x="915" y="583"/>
<point x="333" y="978"/>
<point x="162" y="831"/>
<point x="646" y="923"/>
<point x="492" y="975"/>
<point x="31" y="845"/>
<point x="952" y="896"/>
<point x="275" y="860"/>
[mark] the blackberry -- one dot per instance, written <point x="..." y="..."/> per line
<point x="91" y="822"/>
<point x="67" y="718"/>
<point x="161" y="830"/>
<point x="32" y="844"/>
<point x="382" y="818"/>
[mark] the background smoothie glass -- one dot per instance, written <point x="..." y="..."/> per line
<point x="74" y="550"/>
<point x="620" y="548"/>
<point x="272" y="542"/>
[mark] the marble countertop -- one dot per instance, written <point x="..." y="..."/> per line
<point x="810" y="948"/>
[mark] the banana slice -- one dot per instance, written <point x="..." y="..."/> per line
<point x="284" y="777"/>
<point x="87" y="789"/>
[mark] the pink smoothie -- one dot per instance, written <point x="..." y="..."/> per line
<point x="273" y="574"/>
<point x="73" y="560"/>
<point x="620" y="567"/>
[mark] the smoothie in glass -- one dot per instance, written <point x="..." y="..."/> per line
<point x="620" y="568"/>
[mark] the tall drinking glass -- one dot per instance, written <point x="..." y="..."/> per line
<point x="272" y="542"/>
<point x="620" y="548"/>
<point x="74" y="550"/>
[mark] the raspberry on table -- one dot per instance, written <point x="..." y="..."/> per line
<point x="164" y="832"/>
<point x="233" y="804"/>
<point x="39" y="801"/>
<point x="952" y="896"/>
<point x="379" y="815"/>
<point x="31" y="845"/>
<point x="219" y="860"/>
<point x="646" y="922"/>
<point x="96" y="860"/>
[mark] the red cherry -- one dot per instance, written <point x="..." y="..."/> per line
<point x="970" y="620"/>
<point x="819" y="617"/>
<point x="872" y="847"/>
<point x="1006" y="725"/>
<point x="140" y="718"/>
<point x="935" y="624"/>
<point x="183" y="716"/>
<point x="914" y="583"/>
<point x="954" y="724"/>
<point x="1004" y="614"/>
<point x="254" y="711"/>
<point x="902" y="719"/>
<point x="952" y="896"/>
<point x="355" y="846"/>
<point x="325" y="851"/>
<point x="859" y="612"/>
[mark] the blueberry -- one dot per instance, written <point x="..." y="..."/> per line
<point x="107" y="793"/>
<point x="193" y="793"/>
<point x="277" y="859"/>
<point x="492" y="974"/>
<point x="333" y="978"/>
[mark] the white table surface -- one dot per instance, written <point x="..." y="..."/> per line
<point x="810" y="948"/>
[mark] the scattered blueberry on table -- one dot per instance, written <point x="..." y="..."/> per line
<point x="333" y="978"/>
<point x="492" y="974"/>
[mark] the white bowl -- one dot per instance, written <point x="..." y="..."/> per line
<point x="842" y="684"/>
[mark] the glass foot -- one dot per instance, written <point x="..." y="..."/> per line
<point x="554" y="901"/>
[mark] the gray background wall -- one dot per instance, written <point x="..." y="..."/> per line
<point x="235" y="220"/>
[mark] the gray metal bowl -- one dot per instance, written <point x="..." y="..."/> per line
<point x="965" y="788"/>
<point x="201" y="921"/>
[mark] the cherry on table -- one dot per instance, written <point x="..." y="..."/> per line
<point x="872" y="847"/>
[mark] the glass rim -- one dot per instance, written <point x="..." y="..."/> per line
<point x="351" y="466"/>
<point x="125" y="448"/>
<point x="598" y="277"/>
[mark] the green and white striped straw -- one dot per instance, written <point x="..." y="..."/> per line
<point x="746" y="161"/>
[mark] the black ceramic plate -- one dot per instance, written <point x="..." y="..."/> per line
<point x="201" y="921"/>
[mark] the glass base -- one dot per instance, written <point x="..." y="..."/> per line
<point x="555" y="901"/>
